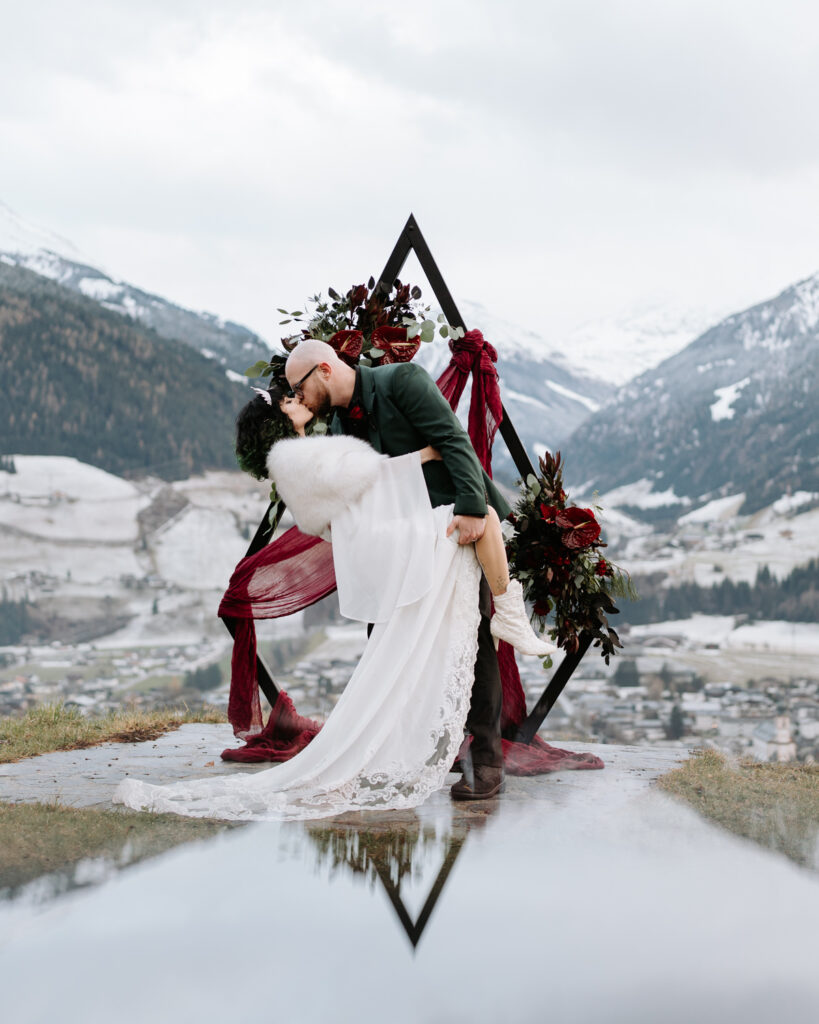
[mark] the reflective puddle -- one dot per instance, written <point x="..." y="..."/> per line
<point x="586" y="908"/>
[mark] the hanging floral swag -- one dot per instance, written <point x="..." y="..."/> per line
<point x="369" y="325"/>
<point x="555" y="553"/>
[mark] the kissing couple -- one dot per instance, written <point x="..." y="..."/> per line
<point x="418" y="552"/>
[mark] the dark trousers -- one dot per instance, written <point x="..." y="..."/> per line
<point x="484" y="717"/>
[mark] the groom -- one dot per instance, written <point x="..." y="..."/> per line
<point x="399" y="409"/>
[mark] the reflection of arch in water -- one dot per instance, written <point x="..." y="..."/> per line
<point x="391" y="855"/>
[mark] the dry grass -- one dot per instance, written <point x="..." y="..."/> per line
<point x="54" y="727"/>
<point x="50" y="839"/>
<point x="776" y="805"/>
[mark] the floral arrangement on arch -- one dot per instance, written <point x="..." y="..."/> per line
<point x="369" y="324"/>
<point x="555" y="552"/>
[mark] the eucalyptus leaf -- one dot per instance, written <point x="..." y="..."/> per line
<point x="531" y="481"/>
<point x="256" y="369"/>
<point x="443" y="331"/>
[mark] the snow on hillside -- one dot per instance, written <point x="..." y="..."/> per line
<point x="199" y="549"/>
<point x="720" y="546"/>
<point x="722" y="631"/>
<point x="57" y="497"/>
<point x="621" y="348"/>
<point x="719" y="508"/>
<point x="66" y="565"/>
<point x="78" y="526"/>
<point x="18" y="236"/>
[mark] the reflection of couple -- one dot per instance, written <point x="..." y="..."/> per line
<point x="405" y="531"/>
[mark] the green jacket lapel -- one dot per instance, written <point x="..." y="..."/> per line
<point x="369" y="400"/>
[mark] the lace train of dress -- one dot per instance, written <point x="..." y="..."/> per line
<point x="396" y="729"/>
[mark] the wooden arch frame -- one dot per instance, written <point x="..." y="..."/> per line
<point x="411" y="239"/>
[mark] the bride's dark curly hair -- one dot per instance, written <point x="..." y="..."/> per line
<point x="258" y="427"/>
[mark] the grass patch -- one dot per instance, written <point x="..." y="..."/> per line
<point x="51" y="839"/>
<point x="54" y="727"/>
<point x="776" y="805"/>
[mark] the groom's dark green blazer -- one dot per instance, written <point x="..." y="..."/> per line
<point x="405" y="412"/>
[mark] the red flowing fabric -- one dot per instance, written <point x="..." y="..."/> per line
<point x="291" y="573"/>
<point x="472" y="354"/>
<point x="295" y="571"/>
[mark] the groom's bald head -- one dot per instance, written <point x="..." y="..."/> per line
<point x="306" y="355"/>
<point x="322" y="379"/>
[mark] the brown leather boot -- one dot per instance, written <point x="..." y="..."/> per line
<point x="487" y="782"/>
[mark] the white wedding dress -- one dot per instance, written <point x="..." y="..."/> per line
<point x="397" y="727"/>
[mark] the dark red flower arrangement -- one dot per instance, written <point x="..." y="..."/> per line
<point x="555" y="553"/>
<point x="371" y="323"/>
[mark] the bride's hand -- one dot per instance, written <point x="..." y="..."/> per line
<point x="430" y="454"/>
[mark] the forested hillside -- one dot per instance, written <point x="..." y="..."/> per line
<point x="81" y="381"/>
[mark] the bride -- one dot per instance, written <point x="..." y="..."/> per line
<point x="398" y="726"/>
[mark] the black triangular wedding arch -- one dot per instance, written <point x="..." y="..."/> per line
<point x="411" y="239"/>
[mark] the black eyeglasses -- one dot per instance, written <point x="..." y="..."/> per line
<point x="296" y="389"/>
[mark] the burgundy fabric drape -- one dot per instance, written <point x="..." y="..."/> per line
<point x="295" y="571"/>
<point x="472" y="354"/>
<point x="291" y="573"/>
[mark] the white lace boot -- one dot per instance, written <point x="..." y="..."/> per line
<point x="511" y="623"/>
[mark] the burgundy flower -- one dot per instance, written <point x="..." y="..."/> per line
<point x="393" y="342"/>
<point x="602" y="568"/>
<point x="358" y="294"/>
<point x="348" y="344"/>
<point x="355" y="412"/>
<point x="580" y="528"/>
<point x="543" y="607"/>
<point x="549" y="512"/>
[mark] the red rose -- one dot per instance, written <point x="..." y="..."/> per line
<point x="393" y="342"/>
<point x="542" y="607"/>
<point x="579" y="526"/>
<point x="348" y="344"/>
<point x="602" y="567"/>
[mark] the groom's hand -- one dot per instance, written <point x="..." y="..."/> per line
<point x="470" y="528"/>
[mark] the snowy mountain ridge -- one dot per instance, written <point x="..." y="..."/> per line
<point x="734" y="412"/>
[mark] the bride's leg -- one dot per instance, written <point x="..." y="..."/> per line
<point x="510" y="621"/>
<point x="491" y="552"/>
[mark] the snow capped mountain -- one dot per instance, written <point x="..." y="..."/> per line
<point x="733" y="413"/>
<point x="19" y="237"/>
<point x="33" y="248"/>
<point x="621" y="348"/>
<point x="544" y="397"/>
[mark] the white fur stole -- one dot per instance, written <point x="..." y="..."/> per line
<point x="318" y="477"/>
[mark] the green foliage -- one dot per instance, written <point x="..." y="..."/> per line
<point x="204" y="678"/>
<point x="555" y="552"/>
<point x="676" y="723"/>
<point x="794" y="598"/>
<point x="15" y="619"/>
<point x="626" y="674"/>
<point x="81" y="381"/>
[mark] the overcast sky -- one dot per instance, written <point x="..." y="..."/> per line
<point x="565" y="160"/>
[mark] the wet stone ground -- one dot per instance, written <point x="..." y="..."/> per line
<point x="585" y="896"/>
